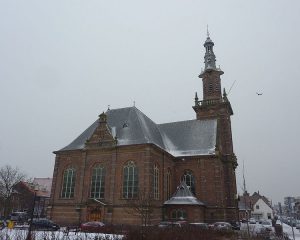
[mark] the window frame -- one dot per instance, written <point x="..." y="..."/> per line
<point x="97" y="182"/>
<point x="168" y="183"/>
<point x="156" y="182"/>
<point x="191" y="183"/>
<point x="68" y="183"/>
<point x="178" y="214"/>
<point x="130" y="183"/>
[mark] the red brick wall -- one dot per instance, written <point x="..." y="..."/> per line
<point x="208" y="172"/>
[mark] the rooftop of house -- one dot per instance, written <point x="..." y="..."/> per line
<point x="44" y="184"/>
<point x="247" y="200"/>
<point x="39" y="186"/>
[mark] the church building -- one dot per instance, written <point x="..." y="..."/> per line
<point x="125" y="163"/>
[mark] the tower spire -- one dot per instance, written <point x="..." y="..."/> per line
<point x="207" y="32"/>
<point x="210" y="57"/>
<point x="211" y="73"/>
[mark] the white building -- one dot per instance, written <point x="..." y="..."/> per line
<point x="262" y="210"/>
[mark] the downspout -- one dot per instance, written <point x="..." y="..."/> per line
<point x="163" y="188"/>
<point x="82" y="191"/>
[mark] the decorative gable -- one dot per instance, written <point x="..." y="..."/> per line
<point x="102" y="136"/>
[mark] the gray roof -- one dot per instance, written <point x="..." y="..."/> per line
<point x="242" y="206"/>
<point x="183" y="196"/>
<point x="131" y="126"/>
<point x="193" y="137"/>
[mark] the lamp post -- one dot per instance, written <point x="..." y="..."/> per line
<point x="31" y="216"/>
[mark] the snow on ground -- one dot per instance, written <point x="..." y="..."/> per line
<point x="253" y="228"/>
<point x="288" y="229"/>
<point x="20" y="234"/>
<point x="256" y="228"/>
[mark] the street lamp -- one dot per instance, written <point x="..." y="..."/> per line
<point x="31" y="216"/>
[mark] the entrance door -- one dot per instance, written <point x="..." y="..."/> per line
<point x="94" y="214"/>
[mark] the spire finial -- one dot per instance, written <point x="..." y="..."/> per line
<point x="207" y="32"/>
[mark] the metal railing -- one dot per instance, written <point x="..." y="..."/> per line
<point x="208" y="102"/>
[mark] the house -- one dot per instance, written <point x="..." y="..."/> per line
<point x="124" y="156"/>
<point x="259" y="206"/>
<point x="42" y="187"/>
<point x="245" y="206"/>
<point x="28" y="194"/>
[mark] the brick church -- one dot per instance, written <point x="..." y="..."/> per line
<point x="183" y="170"/>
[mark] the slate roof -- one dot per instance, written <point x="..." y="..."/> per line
<point x="183" y="196"/>
<point x="131" y="126"/>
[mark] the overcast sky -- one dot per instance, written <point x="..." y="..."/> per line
<point x="63" y="62"/>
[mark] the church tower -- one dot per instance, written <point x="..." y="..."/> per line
<point x="216" y="105"/>
<point x="213" y="102"/>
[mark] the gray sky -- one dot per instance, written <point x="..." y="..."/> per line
<point x="63" y="62"/>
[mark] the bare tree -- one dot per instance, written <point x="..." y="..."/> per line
<point x="9" y="177"/>
<point x="142" y="206"/>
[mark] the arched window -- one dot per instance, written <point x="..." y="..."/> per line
<point x="169" y="184"/>
<point x="178" y="214"/>
<point x="130" y="180"/>
<point x="68" y="183"/>
<point x="156" y="182"/>
<point x="98" y="182"/>
<point x="189" y="179"/>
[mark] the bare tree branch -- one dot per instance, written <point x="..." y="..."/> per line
<point x="142" y="206"/>
<point x="9" y="177"/>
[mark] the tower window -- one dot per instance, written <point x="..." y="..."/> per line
<point x="210" y="88"/>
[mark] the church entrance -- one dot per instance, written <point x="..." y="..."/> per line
<point x="94" y="214"/>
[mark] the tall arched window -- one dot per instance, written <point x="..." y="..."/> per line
<point x="168" y="184"/>
<point x="130" y="180"/>
<point x="68" y="185"/>
<point x="189" y="179"/>
<point x="98" y="182"/>
<point x="156" y="182"/>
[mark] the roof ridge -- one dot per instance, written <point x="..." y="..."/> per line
<point x="144" y="115"/>
<point x="139" y="121"/>
<point x="157" y="127"/>
<point x="190" y="120"/>
<point x="115" y="109"/>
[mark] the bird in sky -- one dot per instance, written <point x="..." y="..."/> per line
<point x="259" y="94"/>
